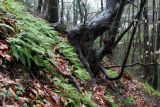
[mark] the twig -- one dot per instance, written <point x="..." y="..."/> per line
<point x="130" y="65"/>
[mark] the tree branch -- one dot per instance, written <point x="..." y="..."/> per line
<point x="130" y="65"/>
<point x="129" y="46"/>
<point x="127" y="29"/>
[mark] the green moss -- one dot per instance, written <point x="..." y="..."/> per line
<point x="110" y="99"/>
<point x="129" y="102"/>
<point x="115" y="105"/>
<point x="151" y="90"/>
<point x="112" y="73"/>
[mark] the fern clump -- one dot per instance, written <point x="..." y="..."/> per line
<point x="32" y="40"/>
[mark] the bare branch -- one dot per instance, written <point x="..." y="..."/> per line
<point x="129" y="47"/>
<point x="128" y="28"/>
<point x="130" y="65"/>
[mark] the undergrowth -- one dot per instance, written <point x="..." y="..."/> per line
<point x="151" y="90"/>
<point x="32" y="40"/>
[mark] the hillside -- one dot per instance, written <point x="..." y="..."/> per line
<point x="40" y="68"/>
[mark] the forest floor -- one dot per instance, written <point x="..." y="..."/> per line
<point x="136" y="94"/>
<point x="126" y="92"/>
<point x="59" y="82"/>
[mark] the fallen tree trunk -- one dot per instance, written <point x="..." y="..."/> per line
<point x="84" y="37"/>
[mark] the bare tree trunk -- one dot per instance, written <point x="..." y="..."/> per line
<point x="83" y="38"/>
<point x="80" y="10"/>
<point x="45" y="7"/>
<point x="75" y="13"/>
<point x="52" y="16"/>
<point x="40" y="4"/>
<point x="154" y="57"/>
<point x="146" y="54"/>
<point x="102" y="5"/>
<point x="158" y="44"/>
<point x="151" y="73"/>
<point x="62" y="11"/>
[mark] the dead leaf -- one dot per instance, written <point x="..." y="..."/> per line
<point x="3" y="46"/>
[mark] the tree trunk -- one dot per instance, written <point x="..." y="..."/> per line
<point x="40" y="4"/>
<point x="147" y="58"/>
<point x="158" y="46"/>
<point x="62" y="11"/>
<point x="154" y="56"/>
<point x="75" y="13"/>
<point x="52" y="11"/>
<point x="102" y="5"/>
<point x="151" y="72"/>
<point x="80" y="10"/>
<point x="83" y="37"/>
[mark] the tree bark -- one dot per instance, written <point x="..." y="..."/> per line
<point x="53" y="11"/>
<point x="40" y="4"/>
<point x="62" y="11"/>
<point x="83" y="37"/>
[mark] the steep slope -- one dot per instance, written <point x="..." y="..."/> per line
<point x="49" y="58"/>
<point x="40" y="68"/>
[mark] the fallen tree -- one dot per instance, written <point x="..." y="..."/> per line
<point x="84" y="37"/>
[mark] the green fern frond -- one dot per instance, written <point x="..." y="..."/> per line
<point x="6" y="28"/>
<point x="33" y="44"/>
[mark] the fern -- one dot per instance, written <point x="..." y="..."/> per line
<point x="6" y="27"/>
<point x="69" y="52"/>
<point x="71" y="94"/>
<point x="33" y="43"/>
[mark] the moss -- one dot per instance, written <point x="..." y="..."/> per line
<point x="129" y="102"/>
<point x="115" y="105"/>
<point x="151" y="90"/>
<point x="112" y="73"/>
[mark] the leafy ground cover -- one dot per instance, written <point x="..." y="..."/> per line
<point x="32" y="42"/>
<point x="40" y="68"/>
